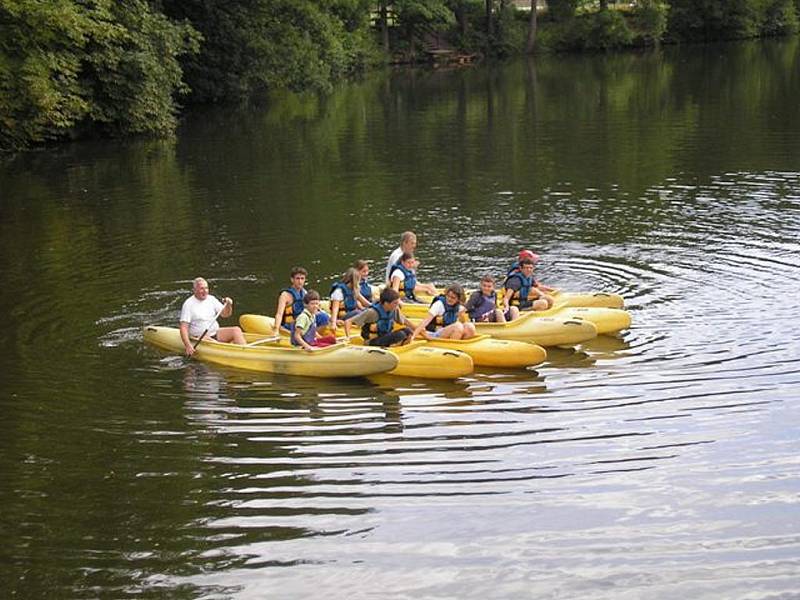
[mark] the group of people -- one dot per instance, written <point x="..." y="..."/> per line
<point x="381" y="321"/>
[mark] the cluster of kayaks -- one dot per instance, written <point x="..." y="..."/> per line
<point x="575" y="318"/>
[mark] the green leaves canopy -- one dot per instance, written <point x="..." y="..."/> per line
<point x="67" y="65"/>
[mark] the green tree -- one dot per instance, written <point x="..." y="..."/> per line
<point x="561" y="10"/>
<point x="67" y="65"/>
<point x="730" y="19"/>
<point x="252" y="46"/>
<point x="417" y="17"/>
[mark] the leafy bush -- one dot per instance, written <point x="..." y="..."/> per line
<point x="561" y="10"/>
<point x="66" y="64"/>
<point x="779" y="17"/>
<point x="593" y="31"/>
<point x="510" y="33"/>
<point x="731" y="19"/>
<point x="648" y="19"/>
<point x="256" y="45"/>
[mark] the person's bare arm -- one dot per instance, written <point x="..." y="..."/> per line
<point x="187" y="344"/>
<point x="282" y="301"/>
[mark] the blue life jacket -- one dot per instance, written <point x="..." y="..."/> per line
<point x="488" y="304"/>
<point x="515" y="268"/>
<point x="295" y="308"/>
<point x="409" y="283"/>
<point x="366" y="290"/>
<point x="449" y="317"/>
<point x="349" y="302"/>
<point x="526" y="283"/>
<point x="384" y="325"/>
<point x="311" y="334"/>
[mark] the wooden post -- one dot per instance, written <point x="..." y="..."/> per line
<point x="530" y="43"/>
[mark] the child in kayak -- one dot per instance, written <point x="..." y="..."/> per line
<point x="382" y="324"/>
<point x="346" y="298"/>
<point x="520" y="291"/>
<point x="304" y="332"/>
<point x="482" y="304"/>
<point x="515" y="268"/>
<point x="403" y="279"/>
<point x="447" y="317"/>
<point x="364" y="287"/>
<point x="290" y="302"/>
<point x="408" y="245"/>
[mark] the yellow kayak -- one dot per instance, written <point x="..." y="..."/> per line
<point x="606" y="320"/>
<point x="562" y="298"/>
<point x="418" y="359"/>
<point x="588" y="299"/>
<point x="542" y="331"/>
<point x="339" y="360"/>
<point x="421" y="360"/>
<point x="487" y="351"/>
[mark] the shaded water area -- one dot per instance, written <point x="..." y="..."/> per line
<point x="662" y="463"/>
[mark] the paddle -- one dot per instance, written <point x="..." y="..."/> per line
<point x="266" y="340"/>
<point x="216" y="316"/>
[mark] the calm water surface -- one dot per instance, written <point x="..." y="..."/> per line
<point x="663" y="464"/>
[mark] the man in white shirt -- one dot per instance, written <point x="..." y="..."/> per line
<point x="199" y="313"/>
<point x="408" y="243"/>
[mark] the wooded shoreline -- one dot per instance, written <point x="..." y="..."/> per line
<point x="77" y="68"/>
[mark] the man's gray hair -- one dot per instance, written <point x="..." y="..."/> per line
<point x="198" y="280"/>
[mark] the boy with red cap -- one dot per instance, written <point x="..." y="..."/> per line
<point x="538" y="290"/>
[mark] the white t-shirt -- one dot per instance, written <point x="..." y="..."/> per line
<point x="199" y="314"/>
<point x="393" y="258"/>
<point x="398" y="274"/>
<point x="338" y="294"/>
<point x="437" y="309"/>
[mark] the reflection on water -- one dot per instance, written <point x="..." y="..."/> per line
<point x="661" y="462"/>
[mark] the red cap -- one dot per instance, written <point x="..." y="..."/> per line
<point x="523" y="254"/>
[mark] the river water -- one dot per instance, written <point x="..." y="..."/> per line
<point x="662" y="463"/>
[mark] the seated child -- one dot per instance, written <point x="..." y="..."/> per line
<point x="305" y="332"/>
<point x="447" y="317"/>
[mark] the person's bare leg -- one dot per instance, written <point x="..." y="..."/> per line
<point x="231" y="334"/>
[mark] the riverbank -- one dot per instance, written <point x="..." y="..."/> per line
<point x="131" y="69"/>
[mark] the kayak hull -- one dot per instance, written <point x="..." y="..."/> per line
<point x="418" y="359"/>
<point x="589" y="299"/>
<point x="562" y="298"/>
<point x="423" y="361"/>
<point x="487" y="351"/>
<point x="606" y="320"/>
<point x="339" y="360"/>
<point x="542" y="331"/>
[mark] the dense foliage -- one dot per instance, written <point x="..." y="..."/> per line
<point x="108" y="64"/>
<point x="119" y="67"/>
<point x="731" y="19"/>
<point x="256" y="45"/>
